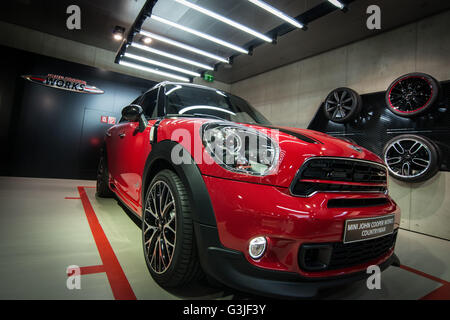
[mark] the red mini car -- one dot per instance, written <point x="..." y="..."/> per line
<point x="268" y="210"/>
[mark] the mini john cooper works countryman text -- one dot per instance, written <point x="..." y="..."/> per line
<point x="221" y="192"/>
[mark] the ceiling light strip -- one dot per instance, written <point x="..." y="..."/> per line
<point x="199" y="34"/>
<point x="161" y="64"/>
<point x="277" y="13"/>
<point x="183" y="46"/>
<point x="155" y="71"/>
<point x="337" y="3"/>
<point x="230" y="22"/>
<point x="171" y="56"/>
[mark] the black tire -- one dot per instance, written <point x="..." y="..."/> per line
<point x="103" y="190"/>
<point x="179" y="266"/>
<point x="342" y="105"/>
<point x="411" y="158"/>
<point x="412" y="94"/>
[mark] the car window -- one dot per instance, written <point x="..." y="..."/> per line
<point x="149" y="102"/>
<point x="194" y="101"/>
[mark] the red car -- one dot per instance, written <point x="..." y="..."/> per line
<point x="279" y="212"/>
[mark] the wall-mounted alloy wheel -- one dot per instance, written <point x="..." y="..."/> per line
<point x="412" y="94"/>
<point x="168" y="233"/>
<point x="342" y="105"/>
<point x="411" y="158"/>
<point x="103" y="190"/>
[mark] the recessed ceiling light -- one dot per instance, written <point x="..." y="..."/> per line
<point x="277" y="13"/>
<point x="183" y="46"/>
<point x="199" y="34"/>
<point x="337" y="3"/>
<point x="230" y="22"/>
<point x="172" y="56"/>
<point x="161" y="64"/>
<point x="147" y="40"/>
<point x="118" y="33"/>
<point x="155" y="71"/>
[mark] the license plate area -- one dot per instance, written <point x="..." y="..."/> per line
<point x="368" y="228"/>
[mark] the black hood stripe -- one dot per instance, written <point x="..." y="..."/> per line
<point x="297" y="135"/>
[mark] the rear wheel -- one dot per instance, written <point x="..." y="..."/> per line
<point x="168" y="233"/>
<point x="103" y="190"/>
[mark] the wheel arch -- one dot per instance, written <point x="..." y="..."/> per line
<point x="189" y="173"/>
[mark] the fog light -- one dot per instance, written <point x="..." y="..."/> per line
<point x="257" y="247"/>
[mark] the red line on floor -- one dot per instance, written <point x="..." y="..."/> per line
<point x="117" y="279"/>
<point x="423" y="274"/>
<point x="72" y="198"/>
<point x="441" y="293"/>
<point x="92" y="269"/>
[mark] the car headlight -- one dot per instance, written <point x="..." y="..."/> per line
<point x="240" y="149"/>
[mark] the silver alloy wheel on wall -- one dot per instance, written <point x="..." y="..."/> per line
<point x="407" y="158"/>
<point x="160" y="227"/>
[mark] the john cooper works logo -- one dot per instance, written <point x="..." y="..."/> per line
<point x="63" y="83"/>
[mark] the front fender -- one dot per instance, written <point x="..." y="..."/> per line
<point x="202" y="210"/>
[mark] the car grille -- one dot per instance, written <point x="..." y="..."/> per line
<point x="337" y="255"/>
<point x="372" y="177"/>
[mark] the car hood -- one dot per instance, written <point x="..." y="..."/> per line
<point x="296" y="146"/>
<point x="320" y="144"/>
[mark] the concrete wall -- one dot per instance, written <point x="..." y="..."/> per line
<point x="291" y="95"/>
<point x="43" y="43"/>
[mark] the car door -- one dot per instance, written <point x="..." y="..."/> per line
<point x="133" y="149"/>
<point x="113" y="142"/>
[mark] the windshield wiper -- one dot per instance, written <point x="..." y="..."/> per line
<point x="196" y="115"/>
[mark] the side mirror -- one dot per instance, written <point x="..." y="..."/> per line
<point x="132" y="113"/>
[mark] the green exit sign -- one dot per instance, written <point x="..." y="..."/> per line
<point x="208" y="77"/>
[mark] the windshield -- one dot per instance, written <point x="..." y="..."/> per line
<point x="199" y="102"/>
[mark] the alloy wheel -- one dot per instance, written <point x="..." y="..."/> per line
<point x="407" y="158"/>
<point x="159" y="227"/>
<point x="410" y="94"/>
<point x="342" y="105"/>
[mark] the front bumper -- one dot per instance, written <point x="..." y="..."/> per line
<point x="245" y="210"/>
<point x="232" y="269"/>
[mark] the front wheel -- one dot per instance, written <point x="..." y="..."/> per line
<point x="168" y="233"/>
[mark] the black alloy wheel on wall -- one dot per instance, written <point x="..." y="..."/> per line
<point x="342" y="105"/>
<point x="412" y="94"/>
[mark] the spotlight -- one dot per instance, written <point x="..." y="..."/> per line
<point x="118" y="33"/>
<point x="147" y="40"/>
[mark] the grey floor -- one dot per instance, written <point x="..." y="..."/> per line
<point x="42" y="233"/>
